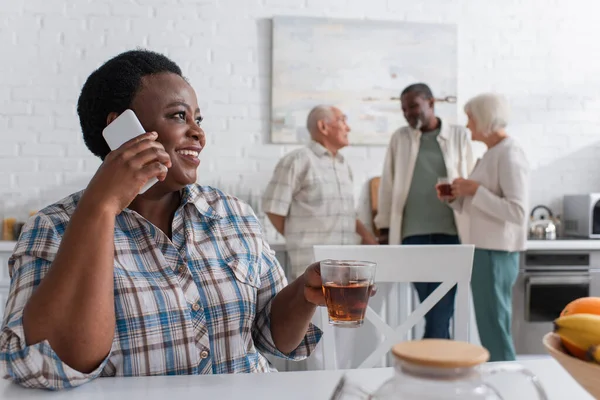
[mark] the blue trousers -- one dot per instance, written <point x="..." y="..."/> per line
<point x="437" y="320"/>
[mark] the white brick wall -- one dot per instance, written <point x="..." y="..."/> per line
<point x="543" y="54"/>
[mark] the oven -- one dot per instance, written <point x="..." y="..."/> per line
<point x="547" y="282"/>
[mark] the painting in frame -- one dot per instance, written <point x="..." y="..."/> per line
<point x="360" y="66"/>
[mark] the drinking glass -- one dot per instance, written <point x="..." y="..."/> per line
<point x="347" y="286"/>
<point x="444" y="186"/>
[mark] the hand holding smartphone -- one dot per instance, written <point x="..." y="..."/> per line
<point x="124" y="128"/>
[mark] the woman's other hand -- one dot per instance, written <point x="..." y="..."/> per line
<point x="464" y="187"/>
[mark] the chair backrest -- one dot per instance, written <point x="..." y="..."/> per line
<point x="449" y="264"/>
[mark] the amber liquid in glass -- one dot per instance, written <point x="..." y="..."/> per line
<point x="445" y="189"/>
<point x="347" y="303"/>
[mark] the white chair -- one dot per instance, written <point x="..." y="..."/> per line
<point x="449" y="264"/>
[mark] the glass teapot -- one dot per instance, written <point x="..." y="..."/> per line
<point x="437" y="369"/>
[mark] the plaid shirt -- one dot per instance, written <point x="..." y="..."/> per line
<point x="196" y="304"/>
<point x="314" y="190"/>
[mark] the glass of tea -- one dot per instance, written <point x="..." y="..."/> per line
<point x="347" y="286"/>
<point x="444" y="185"/>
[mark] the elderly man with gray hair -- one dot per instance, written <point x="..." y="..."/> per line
<point x="494" y="199"/>
<point x="310" y="198"/>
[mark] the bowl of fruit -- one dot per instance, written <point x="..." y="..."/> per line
<point x="575" y="342"/>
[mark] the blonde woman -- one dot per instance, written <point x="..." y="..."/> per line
<point x="494" y="198"/>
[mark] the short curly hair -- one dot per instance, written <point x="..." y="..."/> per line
<point x="111" y="88"/>
<point x="419" y="88"/>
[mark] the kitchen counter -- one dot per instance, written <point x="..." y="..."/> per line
<point x="7" y="247"/>
<point x="277" y="246"/>
<point x="564" y="244"/>
<point x="558" y="244"/>
<point x="558" y="384"/>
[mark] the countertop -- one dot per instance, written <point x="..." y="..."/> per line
<point x="288" y="385"/>
<point x="564" y="244"/>
<point x="558" y="244"/>
<point x="6" y="246"/>
<point x="532" y="245"/>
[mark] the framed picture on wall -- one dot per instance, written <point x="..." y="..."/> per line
<point x="360" y="66"/>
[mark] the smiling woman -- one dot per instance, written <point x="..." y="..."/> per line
<point x="177" y="280"/>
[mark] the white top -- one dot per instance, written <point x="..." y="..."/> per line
<point x="285" y="385"/>
<point x="497" y="214"/>
<point x="399" y="166"/>
<point x="314" y="190"/>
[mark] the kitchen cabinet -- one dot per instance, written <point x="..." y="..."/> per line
<point x="551" y="275"/>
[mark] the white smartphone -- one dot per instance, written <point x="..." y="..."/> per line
<point x="124" y="128"/>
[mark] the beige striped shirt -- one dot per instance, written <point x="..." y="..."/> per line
<point x="314" y="190"/>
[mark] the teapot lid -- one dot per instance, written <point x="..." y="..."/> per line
<point x="441" y="353"/>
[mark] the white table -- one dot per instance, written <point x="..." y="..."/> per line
<point x="284" y="385"/>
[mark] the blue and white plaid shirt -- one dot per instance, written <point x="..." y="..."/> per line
<point x="196" y="304"/>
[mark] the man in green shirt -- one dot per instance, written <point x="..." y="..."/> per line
<point x="418" y="155"/>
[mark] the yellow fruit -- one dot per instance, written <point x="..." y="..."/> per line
<point x="593" y="354"/>
<point x="584" y="305"/>
<point x="581" y="331"/>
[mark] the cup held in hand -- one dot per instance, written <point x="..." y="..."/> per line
<point x="347" y="287"/>
<point x="445" y="187"/>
